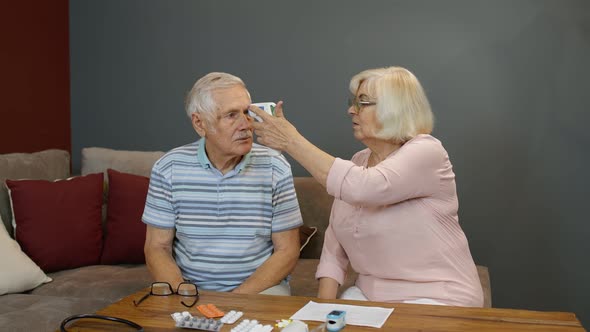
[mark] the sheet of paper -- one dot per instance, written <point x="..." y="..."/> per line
<point x="355" y="314"/>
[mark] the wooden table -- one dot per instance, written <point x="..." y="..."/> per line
<point x="154" y="315"/>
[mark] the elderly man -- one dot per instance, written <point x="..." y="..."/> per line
<point x="222" y="212"/>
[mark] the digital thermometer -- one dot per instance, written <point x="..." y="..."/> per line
<point x="268" y="107"/>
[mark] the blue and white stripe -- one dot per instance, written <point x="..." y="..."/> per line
<point x="223" y="222"/>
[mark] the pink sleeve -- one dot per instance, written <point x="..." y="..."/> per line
<point x="333" y="262"/>
<point x="413" y="171"/>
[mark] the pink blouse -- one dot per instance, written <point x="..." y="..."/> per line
<point x="397" y="225"/>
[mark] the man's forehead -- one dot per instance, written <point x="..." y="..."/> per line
<point x="229" y="98"/>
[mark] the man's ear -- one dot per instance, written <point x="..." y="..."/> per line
<point x="199" y="124"/>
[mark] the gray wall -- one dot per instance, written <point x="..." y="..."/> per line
<point x="507" y="80"/>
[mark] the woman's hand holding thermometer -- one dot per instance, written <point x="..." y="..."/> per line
<point x="268" y="107"/>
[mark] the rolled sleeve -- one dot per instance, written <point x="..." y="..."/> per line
<point x="336" y="175"/>
<point x="331" y="270"/>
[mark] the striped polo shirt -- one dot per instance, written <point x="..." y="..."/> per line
<point x="223" y="222"/>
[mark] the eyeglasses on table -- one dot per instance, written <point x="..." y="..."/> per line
<point x="161" y="288"/>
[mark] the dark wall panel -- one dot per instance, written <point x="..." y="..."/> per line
<point x="508" y="82"/>
<point x="34" y="79"/>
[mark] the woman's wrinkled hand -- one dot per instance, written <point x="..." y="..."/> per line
<point x="274" y="131"/>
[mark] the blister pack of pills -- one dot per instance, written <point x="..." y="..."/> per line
<point x="210" y="311"/>
<point x="231" y="317"/>
<point x="251" y="326"/>
<point x="186" y="320"/>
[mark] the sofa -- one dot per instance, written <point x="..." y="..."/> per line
<point x="36" y="299"/>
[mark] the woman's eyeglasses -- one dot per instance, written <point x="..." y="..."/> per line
<point x="359" y="104"/>
<point x="160" y="288"/>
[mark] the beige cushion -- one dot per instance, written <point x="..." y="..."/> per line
<point x="95" y="160"/>
<point x="18" y="273"/>
<point x="45" y="165"/>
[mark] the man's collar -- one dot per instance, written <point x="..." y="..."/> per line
<point x="202" y="154"/>
<point x="204" y="160"/>
<point x="244" y="162"/>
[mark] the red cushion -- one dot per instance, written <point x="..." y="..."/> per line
<point x="125" y="231"/>
<point x="58" y="224"/>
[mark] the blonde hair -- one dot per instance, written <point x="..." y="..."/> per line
<point x="402" y="107"/>
<point x="200" y="98"/>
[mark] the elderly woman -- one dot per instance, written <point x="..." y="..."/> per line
<point x="394" y="217"/>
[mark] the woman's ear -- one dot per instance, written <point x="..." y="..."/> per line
<point x="199" y="124"/>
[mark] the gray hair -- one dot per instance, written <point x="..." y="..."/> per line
<point x="200" y="98"/>
<point x="402" y="107"/>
